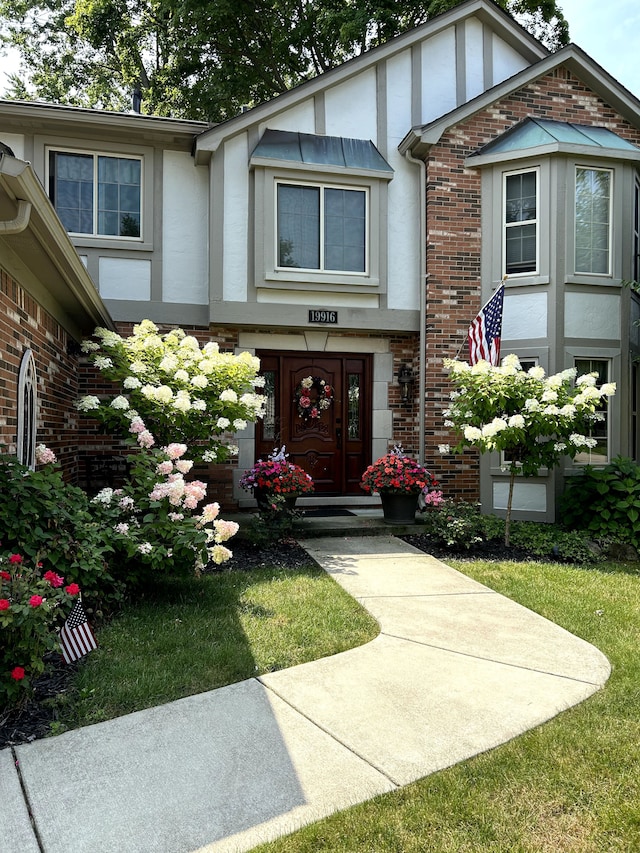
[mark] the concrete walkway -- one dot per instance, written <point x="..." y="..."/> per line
<point x="457" y="669"/>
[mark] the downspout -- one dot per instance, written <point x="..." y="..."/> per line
<point x="19" y="222"/>
<point x="422" y="288"/>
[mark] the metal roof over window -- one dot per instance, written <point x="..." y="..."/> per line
<point x="536" y="132"/>
<point x="314" y="150"/>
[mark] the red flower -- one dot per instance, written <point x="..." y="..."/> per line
<point x="327" y="390"/>
<point x="15" y="558"/>
<point x="17" y="673"/>
<point x="72" y="589"/>
<point x="54" y="579"/>
<point x="5" y="604"/>
<point x="305" y="402"/>
<point x="5" y="576"/>
<point x="36" y="600"/>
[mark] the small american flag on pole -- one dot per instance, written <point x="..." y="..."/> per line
<point x="486" y="330"/>
<point x="76" y="636"/>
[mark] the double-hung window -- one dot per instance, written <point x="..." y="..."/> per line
<point x="521" y="222"/>
<point x="322" y="228"/>
<point x="593" y="221"/>
<point x="96" y="194"/>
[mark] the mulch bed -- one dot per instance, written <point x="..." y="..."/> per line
<point x="34" y="719"/>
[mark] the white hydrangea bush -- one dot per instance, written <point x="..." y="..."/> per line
<point x="182" y="391"/>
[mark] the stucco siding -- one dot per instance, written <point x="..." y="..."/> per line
<point x="184" y="230"/>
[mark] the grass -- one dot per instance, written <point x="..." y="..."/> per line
<point x="200" y="634"/>
<point x="571" y="785"/>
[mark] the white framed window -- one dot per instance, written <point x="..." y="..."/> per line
<point x="27" y="409"/>
<point x="635" y="261"/>
<point x="97" y="194"/>
<point x="520" y="222"/>
<point x="322" y="227"/>
<point x="598" y="455"/>
<point x="593" y="220"/>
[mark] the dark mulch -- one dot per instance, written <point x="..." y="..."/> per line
<point x="493" y="550"/>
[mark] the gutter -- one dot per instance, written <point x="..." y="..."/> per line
<point x="422" y="289"/>
<point x="20" y="222"/>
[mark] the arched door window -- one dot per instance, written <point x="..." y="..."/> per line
<point x="27" y="406"/>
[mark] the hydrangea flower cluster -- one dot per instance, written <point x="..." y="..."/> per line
<point x="176" y="387"/>
<point x="154" y="517"/>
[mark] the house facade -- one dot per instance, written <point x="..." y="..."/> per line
<point x="348" y="231"/>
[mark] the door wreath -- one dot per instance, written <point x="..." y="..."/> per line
<point x="312" y="397"/>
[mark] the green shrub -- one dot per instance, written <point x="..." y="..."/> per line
<point x="50" y="521"/>
<point x="605" y="502"/>
<point x="453" y="525"/>
<point x="33" y="605"/>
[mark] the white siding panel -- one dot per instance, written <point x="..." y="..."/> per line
<point x="15" y="141"/>
<point x="474" y="58"/>
<point x="125" y="278"/>
<point x="350" y="108"/>
<point x="404" y="193"/>
<point x="236" y="218"/>
<point x="526" y="496"/>
<point x="592" y="315"/>
<point x="315" y="299"/>
<point x="300" y="118"/>
<point x="185" y="229"/>
<point x="439" y="75"/>
<point x="524" y="316"/>
<point x="506" y="61"/>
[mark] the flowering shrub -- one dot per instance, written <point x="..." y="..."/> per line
<point x="180" y="391"/>
<point x="398" y="474"/>
<point x="535" y="419"/>
<point x="48" y="520"/>
<point x="277" y="476"/>
<point x="152" y="521"/>
<point x="33" y="605"/>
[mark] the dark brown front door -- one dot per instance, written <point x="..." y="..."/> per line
<point x="333" y="447"/>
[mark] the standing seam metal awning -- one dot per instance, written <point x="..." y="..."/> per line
<point x="312" y="149"/>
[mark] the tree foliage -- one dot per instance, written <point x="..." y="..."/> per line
<point x="205" y="60"/>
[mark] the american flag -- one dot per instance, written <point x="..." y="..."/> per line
<point x="76" y="636"/>
<point x="486" y="330"/>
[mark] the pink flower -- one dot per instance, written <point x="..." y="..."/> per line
<point x="137" y="425"/>
<point x="36" y="600"/>
<point x="17" y="673"/>
<point x="305" y="402"/>
<point x="15" y="558"/>
<point x="184" y="465"/>
<point x="175" y="450"/>
<point x="5" y="604"/>
<point x="145" y="439"/>
<point x="54" y="579"/>
<point x="44" y="456"/>
<point x="165" y="467"/>
<point x="5" y="576"/>
<point x="72" y="589"/>
<point x="210" y="512"/>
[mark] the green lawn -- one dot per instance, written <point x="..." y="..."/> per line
<point x="570" y="786"/>
<point x="201" y="633"/>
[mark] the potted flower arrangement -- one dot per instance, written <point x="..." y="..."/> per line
<point x="276" y="482"/>
<point x="399" y="480"/>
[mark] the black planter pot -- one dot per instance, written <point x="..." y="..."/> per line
<point x="399" y="508"/>
<point x="264" y="500"/>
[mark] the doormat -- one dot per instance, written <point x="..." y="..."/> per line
<point x="327" y="512"/>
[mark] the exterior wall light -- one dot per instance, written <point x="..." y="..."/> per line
<point x="405" y="380"/>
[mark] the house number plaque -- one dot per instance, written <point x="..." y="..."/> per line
<point x="322" y="315"/>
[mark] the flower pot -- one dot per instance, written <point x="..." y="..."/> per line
<point x="264" y="499"/>
<point x="399" y="508"/>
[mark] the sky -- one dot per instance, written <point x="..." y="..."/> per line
<point x="609" y="32"/>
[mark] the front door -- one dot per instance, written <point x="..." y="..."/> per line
<point x="319" y="407"/>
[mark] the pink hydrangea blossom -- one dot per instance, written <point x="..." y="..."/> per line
<point x="44" y="456"/>
<point x="210" y="512"/>
<point x="137" y="425"/>
<point x="165" y="467"/>
<point x="145" y="439"/>
<point x="184" y="465"/>
<point x="224" y="529"/>
<point x="175" y="450"/>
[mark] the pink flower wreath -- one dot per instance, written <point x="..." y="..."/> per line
<point x="312" y="397"/>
